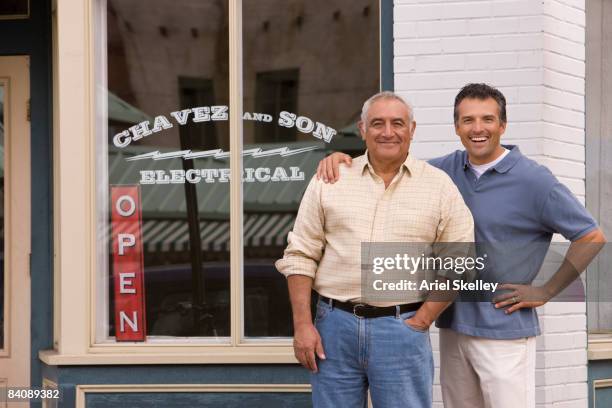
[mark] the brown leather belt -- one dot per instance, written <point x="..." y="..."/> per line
<point x="367" y="311"/>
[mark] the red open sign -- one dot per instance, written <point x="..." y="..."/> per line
<point x="128" y="276"/>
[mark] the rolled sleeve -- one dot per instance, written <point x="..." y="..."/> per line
<point x="306" y="241"/>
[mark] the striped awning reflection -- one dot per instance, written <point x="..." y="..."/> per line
<point x="259" y="230"/>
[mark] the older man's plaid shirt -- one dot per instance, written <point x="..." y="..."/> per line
<point x="421" y="204"/>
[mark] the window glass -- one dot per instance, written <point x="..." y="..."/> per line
<point x="14" y="7"/>
<point x="308" y="68"/>
<point x="162" y="99"/>
<point x="167" y="136"/>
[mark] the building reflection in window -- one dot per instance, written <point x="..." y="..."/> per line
<point x="315" y="59"/>
<point x="318" y="59"/>
<point x="14" y="8"/>
<point x="161" y="59"/>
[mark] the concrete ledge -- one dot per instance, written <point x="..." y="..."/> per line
<point x="249" y="355"/>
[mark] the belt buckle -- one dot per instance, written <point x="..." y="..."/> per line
<point x="355" y="310"/>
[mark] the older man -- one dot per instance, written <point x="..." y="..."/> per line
<point x="386" y="196"/>
<point x="487" y="350"/>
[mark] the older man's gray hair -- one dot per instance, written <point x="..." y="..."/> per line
<point x="384" y="95"/>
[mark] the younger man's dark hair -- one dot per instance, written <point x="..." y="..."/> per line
<point x="482" y="92"/>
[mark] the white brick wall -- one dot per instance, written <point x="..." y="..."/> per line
<point x="533" y="51"/>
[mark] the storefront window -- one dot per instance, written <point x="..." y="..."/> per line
<point x="14" y="8"/>
<point x="309" y="67"/>
<point x="167" y="91"/>
<point x="164" y="190"/>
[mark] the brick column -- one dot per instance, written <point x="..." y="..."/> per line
<point x="533" y="51"/>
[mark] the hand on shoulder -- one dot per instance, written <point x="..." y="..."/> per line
<point x="328" y="169"/>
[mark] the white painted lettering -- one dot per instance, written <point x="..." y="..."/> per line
<point x="193" y="176"/>
<point x="125" y="240"/>
<point x="122" y="139"/>
<point x="262" y="174"/>
<point x="177" y="176"/>
<point x="147" y="177"/>
<point x="279" y="175"/>
<point x="304" y="124"/>
<point x="124" y="282"/>
<point x="201" y="114"/>
<point x="162" y="177"/>
<point x="221" y="175"/>
<point x="140" y="130"/>
<point x="248" y="175"/>
<point x="209" y="175"/>
<point x="181" y="116"/>
<point x="219" y="112"/>
<point x="131" y="208"/>
<point x="123" y="318"/>
<point x="324" y="132"/>
<point x="296" y="174"/>
<point x="160" y="123"/>
<point x="224" y="175"/>
<point x="286" y="119"/>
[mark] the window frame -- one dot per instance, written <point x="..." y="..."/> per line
<point x="23" y="16"/>
<point x="77" y="161"/>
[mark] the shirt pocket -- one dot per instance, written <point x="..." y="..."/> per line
<point x="408" y="222"/>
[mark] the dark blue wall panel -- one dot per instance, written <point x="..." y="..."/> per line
<point x="185" y="374"/>
<point x="70" y="376"/>
<point x="386" y="45"/>
<point x="32" y="37"/>
<point x="600" y="370"/>
<point x="202" y="400"/>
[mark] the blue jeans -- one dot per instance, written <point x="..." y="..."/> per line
<point x="383" y="354"/>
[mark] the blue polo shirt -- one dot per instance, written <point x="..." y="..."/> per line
<point x="516" y="202"/>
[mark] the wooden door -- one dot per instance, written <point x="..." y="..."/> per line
<point x="15" y="222"/>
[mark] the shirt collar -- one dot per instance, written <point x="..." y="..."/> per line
<point x="408" y="164"/>
<point x="503" y="166"/>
